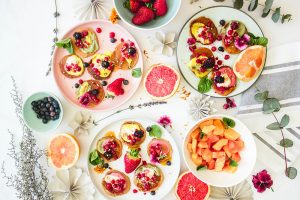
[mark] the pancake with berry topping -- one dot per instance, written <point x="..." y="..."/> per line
<point x="132" y="134"/>
<point x="101" y="66"/>
<point x="85" y="42"/>
<point x="125" y="55"/>
<point x="71" y="66"/>
<point x="204" y="30"/>
<point x="159" y="151"/>
<point x="234" y="37"/>
<point x="110" y="148"/>
<point x="90" y="93"/>
<point x="201" y="61"/>
<point x="116" y="183"/>
<point x="224" y="80"/>
<point x="148" y="177"/>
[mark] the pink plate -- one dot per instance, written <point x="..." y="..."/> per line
<point x="66" y="85"/>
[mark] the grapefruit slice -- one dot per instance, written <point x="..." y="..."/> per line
<point x="250" y="63"/>
<point x="63" y="151"/>
<point x="189" y="187"/>
<point x="161" y="81"/>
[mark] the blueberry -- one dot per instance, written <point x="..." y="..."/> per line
<point x="55" y="117"/>
<point x="48" y="105"/>
<point x="47" y="113"/>
<point x="221" y="49"/>
<point x="95" y="92"/>
<point x="55" y="104"/>
<point x="77" y="35"/>
<point x="57" y="110"/>
<point x="39" y="102"/>
<point x="125" y="82"/>
<point x="52" y="114"/>
<point x="131" y="51"/>
<point x="105" y="64"/>
<point x="42" y="105"/>
<point x="138" y="134"/>
<point x="169" y="163"/>
<point x="149" y="129"/>
<point x="44" y="109"/>
<point x="50" y="99"/>
<point x="51" y="108"/>
<point x="219" y="79"/>
<point x="33" y="103"/>
<point x="77" y="85"/>
<point x="103" y="83"/>
<point x="45" y="100"/>
<point x="106" y="165"/>
<point x="38" y="116"/>
<point x="86" y="64"/>
<point x="113" y="40"/>
<point x="152" y="193"/>
<point x="45" y="121"/>
<point x="222" y="22"/>
<point x="48" y="117"/>
<point x="108" y="155"/>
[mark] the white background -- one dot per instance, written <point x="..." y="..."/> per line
<point x="25" y="39"/>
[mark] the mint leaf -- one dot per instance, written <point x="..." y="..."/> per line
<point x="136" y="72"/>
<point x="202" y="135"/>
<point x="155" y="131"/>
<point x="256" y="40"/>
<point x="229" y="122"/>
<point x="94" y="158"/>
<point x="134" y="152"/>
<point x="233" y="163"/>
<point x="201" y="167"/>
<point x="66" y="44"/>
<point x="204" y="85"/>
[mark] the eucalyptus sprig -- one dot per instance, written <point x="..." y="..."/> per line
<point x="267" y="9"/>
<point x="270" y="106"/>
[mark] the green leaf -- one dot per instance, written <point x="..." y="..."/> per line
<point x="287" y="17"/>
<point x="228" y="122"/>
<point x="286" y="143"/>
<point x="238" y="4"/>
<point x="276" y="15"/>
<point x="253" y="5"/>
<point x="204" y="85"/>
<point x="66" y="44"/>
<point x="233" y="163"/>
<point x="134" y="152"/>
<point x="268" y="6"/>
<point x="255" y="40"/>
<point x="265" y="14"/>
<point x="291" y="172"/>
<point x="274" y="126"/>
<point x="126" y="4"/>
<point x="155" y="131"/>
<point x="201" y="167"/>
<point x="271" y="105"/>
<point x="202" y="135"/>
<point x="284" y="121"/>
<point x="136" y="72"/>
<point x="94" y="158"/>
<point x="261" y="96"/>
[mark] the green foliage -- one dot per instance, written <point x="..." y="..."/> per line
<point x="276" y="15"/>
<point x="233" y="163"/>
<point x="229" y="122"/>
<point x="286" y="143"/>
<point x="136" y="72"/>
<point x="238" y="4"/>
<point x="155" y="131"/>
<point x="256" y="40"/>
<point x="291" y="172"/>
<point x="271" y="105"/>
<point x="201" y="167"/>
<point x="66" y="44"/>
<point x="204" y="84"/>
<point x="253" y="5"/>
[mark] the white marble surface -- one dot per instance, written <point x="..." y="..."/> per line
<point x="25" y="38"/>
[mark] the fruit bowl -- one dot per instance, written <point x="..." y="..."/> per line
<point x="126" y="15"/>
<point x="222" y="178"/>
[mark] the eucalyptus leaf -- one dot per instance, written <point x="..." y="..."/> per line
<point x="287" y="17"/>
<point x="268" y="6"/>
<point x="253" y="5"/>
<point x="284" y="121"/>
<point x="274" y="126"/>
<point x="261" y="96"/>
<point x="265" y="14"/>
<point x="271" y="105"/>
<point x="286" y="143"/>
<point x="291" y="172"/>
<point x="276" y="15"/>
<point x="238" y="4"/>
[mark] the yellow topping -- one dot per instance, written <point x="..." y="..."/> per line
<point x="104" y="72"/>
<point x="72" y="61"/>
<point x="128" y="129"/>
<point x="195" y="67"/>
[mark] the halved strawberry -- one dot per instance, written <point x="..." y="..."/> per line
<point x="133" y="5"/>
<point x="132" y="159"/>
<point x="161" y="7"/>
<point x="143" y="16"/>
<point x="115" y="88"/>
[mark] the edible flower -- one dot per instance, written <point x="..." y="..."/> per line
<point x="229" y="103"/>
<point x="242" y="42"/>
<point x="262" y="180"/>
<point x="165" y="121"/>
<point x="113" y="16"/>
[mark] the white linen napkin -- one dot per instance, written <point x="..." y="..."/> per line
<point x="281" y="77"/>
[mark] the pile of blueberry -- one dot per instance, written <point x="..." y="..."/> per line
<point x="46" y="109"/>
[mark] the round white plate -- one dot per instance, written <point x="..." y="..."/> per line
<point x="224" y="179"/>
<point x="215" y="14"/>
<point x="171" y="173"/>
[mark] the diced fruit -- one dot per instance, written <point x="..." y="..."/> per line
<point x="200" y="151"/>
<point x="194" y="145"/>
<point x="195" y="133"/>
<point x="220" y="162"/>
<point x="236" y="157"/>
<point x="206" y="123"/>
<point x="230" y="169"/>
<point x="231" y="134"/>
<point x="226" y="150"/>
<point x="208" y="129"/>
<point x="189" y="147"/>
<point x="203" y="145"/>
<point x="143" y="15"/>
<point x="212" y="139"/>
<point x="218" y="154"/>
<point x="211" y="164"/>
<point x="196" y="159"/>
<point x="232" y="146"/>
<point x="207" y="155"/>
<point x="239" y="144"/>
<point x="219" y="130"/>
<point x="218" y="146"/>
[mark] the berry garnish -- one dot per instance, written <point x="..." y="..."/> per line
<point x="95" y="91"/>
<point x="77" y="35"/>
<point x="226" y="57"/>
<point x="134" y="190"/>
<point x="229" y="103"/>
<point x="112" y="34"/>
<point x="169" y="163"/>
<point x="113" y="40"/>
<point x="98" y="30"/>
<point x="125" y="82"/>
<point x="152" y="192"/>
<point x="149" y="129"/>
<point x="234" y="25"/>
<point x="103" y="83"/>
<point x="86" y="64"/>
<point x="80" y="81"/>
<point x="77" y="85"/>
<point x="219" y="62"/>
<point x="221" y="49"/>
<point x="131" y="51"/>
<point x="219" y="79"/>
<point x="106" y="165"/>
<point x="209" y="63"/>
<point x="105" y="64"/>
<point x="222" y="22"/>
<point x="213" y="48"/>
<point x="219" y="38"/>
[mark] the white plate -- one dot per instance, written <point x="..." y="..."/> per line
<point x="224" y="179"/>
<point x="171" y="173"/>
<point x="215" y="14"/>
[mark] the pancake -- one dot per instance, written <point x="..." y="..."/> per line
<point x="119" y="59"/>
<point x="63" y="70"/>
<point x="118" y="149"/>
<point x="209" y="25"/>
<point x="137" y="143"/>
<point x="114" y="193"/>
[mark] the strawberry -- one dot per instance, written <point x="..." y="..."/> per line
<point x="133" y="5"/>
<point x="145" y="1"/>
<point x="143" y="16"/>
<point x="161" y="7"/>
<point x="115" y="88"/>
<point x="132" y="159"/>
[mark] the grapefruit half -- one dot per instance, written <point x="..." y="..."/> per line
<point x="250" y="62"/>
<point x="189" y="187"/>
<point x="63" y="151"/>
<point x="161" y="81"/>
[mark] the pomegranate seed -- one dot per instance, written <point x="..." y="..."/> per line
<point x="230" y="32"/>
<point x="218" y="73"/>
<point x="216" y="58"/>
<point x="80" y="81"/>
<point x="144" y="162"/>
<point x="112" y="34"/>
<point x="98" y="30"/>
<point x="98" y="60"/>
<point x="202" y="69"/>
<point x="134" y="191"/>
<point x="226" y="57"/>
<point x="216" y="67"/>
<point x="92" y="64"/>
<point x="131" y="44"/>
<point x="219" y="38"/>
<point x="122" y="40"/>
<point x="198" y="61"/>
<point x="191" y="48"/>
<point x="214" y="48"/>
<point x="219" y="62"/>
<point x="225" y="106"/>
<point x="191" y="41"/>
<point x="84" y="33"/>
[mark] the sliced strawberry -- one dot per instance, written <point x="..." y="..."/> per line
<point x="116" y="87"/>
<point x="143" y="16"/>
<point x="132" y="159"/>
<point x="161" y="7"/>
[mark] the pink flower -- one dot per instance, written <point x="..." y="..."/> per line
<point x="165" y="121"/>
<point x="262" y="180"/>
<point x="229" y="103"/>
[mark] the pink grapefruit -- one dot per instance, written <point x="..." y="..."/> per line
<point x="189" y="187"/>
<point x="63" y="151"/>
<point x="161" y="81"/>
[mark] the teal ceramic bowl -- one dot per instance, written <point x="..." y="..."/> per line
<point x="126" y="15"/>
<point x="30" y="117"/>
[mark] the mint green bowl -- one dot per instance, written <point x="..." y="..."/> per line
<point x="126" y="15"/>
<point x="31" y="119"/>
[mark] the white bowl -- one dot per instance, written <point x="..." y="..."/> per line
<point x="225" y="179"/>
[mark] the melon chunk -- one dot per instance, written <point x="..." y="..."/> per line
<point x="200" y="151"/>
<point x="207" y="155"/>
<point x="230" y="169"/>
<point x="236" y="157"/>
<point x="203" y="145"/>
<point x="195" y="134"/>
<point x="220" y="162"/>
<point x="219" y="130"/>
<point x="231" y="134"/>
<point x="194" y="145"/>
<point x="226" y="150"/>
<point x="211" y="164"/>
<point x="208" y="129"/>
<point x="218" y="146"/>
<point x="189" y="147"/>
<point x="196" y="159"/>
<point x="218" y="154"/>
<point x="206" y="123"/>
